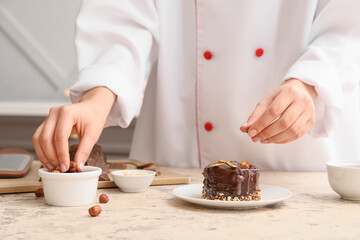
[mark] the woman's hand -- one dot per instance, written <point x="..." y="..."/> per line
<point x="86" y="119"/>
<point x="284" y="115"/>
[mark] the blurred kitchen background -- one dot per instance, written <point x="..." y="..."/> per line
<point x="37" y="67"/>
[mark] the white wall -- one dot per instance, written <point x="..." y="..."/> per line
<point x="37" y="62"/>
<point x="37" y="55"/>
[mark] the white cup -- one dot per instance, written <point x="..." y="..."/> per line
<point x="133" y="180"/>
<point x="344" y="178"/>
<point x="70" y="189"/>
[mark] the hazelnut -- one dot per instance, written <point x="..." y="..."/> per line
<point x="245" y="164"/>
<point x="39" y="192"/>
<point x="72" y="167"/>
<point x="55" y="171"/>
<point x="103" y="198"/>
<point x="95" y="211"/>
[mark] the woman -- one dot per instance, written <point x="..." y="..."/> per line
<point x="234" y="80"/>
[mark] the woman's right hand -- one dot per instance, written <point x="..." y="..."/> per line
<point x="86" y="119"/>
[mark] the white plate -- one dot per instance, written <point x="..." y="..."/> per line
<point x="269" y="195"/>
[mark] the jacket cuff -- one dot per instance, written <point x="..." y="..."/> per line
<point x="128" y="100"/>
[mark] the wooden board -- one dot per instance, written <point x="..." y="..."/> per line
<point x="31" y="182"/>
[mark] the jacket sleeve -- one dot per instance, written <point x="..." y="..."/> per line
<point x="331" y="62"/>
<point x="115" y="42"/>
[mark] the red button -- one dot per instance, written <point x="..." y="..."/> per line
<point x="207" y="55"/>
<point x="259" y="52"/>
<point x="208" y="126"/>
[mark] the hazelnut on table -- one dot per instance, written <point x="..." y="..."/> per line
<point x="95" y="211"/>
<point x="103" y="198"/>
<point x="39" y="192"/>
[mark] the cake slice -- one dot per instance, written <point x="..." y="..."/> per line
<point x="231" y="181"/>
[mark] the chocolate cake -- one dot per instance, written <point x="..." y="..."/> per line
<point x="231" y="181"/>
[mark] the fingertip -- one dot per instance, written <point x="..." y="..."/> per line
<point x="63" y="167"/>
<point x="245" y="127"/>
<point x="245" y="124"/>
<point x="80" y="167"/>
<point x="64" y="161"/>
<point x="80" y="160"/>
<point x="49" y="166"/>
<point x="252" y="132"/>
<point x="242" y="129"/>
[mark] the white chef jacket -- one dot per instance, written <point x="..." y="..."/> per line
<point x="209" y="62"/>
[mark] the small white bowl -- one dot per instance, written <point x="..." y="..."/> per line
<point x="70" y="189"/>
<point x="133" y="180"/>
<point x="344" y="178"/>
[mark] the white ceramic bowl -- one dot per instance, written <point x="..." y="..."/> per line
<point x="133" y="180"/>
<point x="70" y="189"/>
<point x="344" y="178"/>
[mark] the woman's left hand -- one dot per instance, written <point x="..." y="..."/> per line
<point x="284" y="115"/>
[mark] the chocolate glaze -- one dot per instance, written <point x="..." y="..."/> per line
<point x="235" y="182"/>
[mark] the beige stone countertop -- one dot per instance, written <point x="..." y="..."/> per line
<point x="313" y="212"/>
